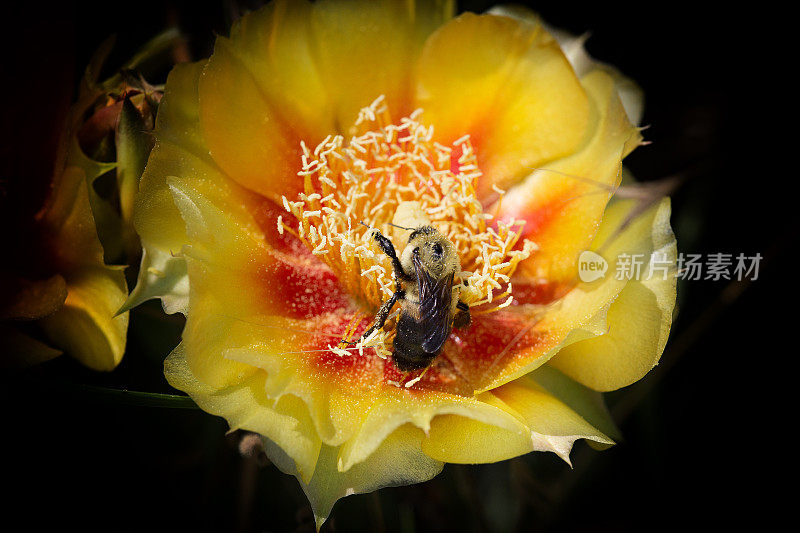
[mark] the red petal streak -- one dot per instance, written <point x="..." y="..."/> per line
<point x="301" y="289"/>
<point x="490" y="344"/>
<point x="538" y="293"/>
<point x="470" y="358"/>
<point x="455" y="155"/>
<point x="538" y="217"/>
<point x="355" y="369"/>
<point x="483" y="186"/>
<point x="266" y="213"/>
<point x="292" y="281"/>
<point x="366" y="370"/>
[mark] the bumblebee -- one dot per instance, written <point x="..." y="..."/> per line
<point x="430" y="305"/>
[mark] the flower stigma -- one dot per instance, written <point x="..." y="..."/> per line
<point x="389" y="177"/>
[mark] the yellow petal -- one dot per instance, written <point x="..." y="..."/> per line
<point x="582" y="313"/>
<point x="431" y="412"/>
<point x="508" y="85"/>
<point x="179" y="154"/>
<point x="293" y="444"/>
<point x="86" y="326"/>
<point x="533" y="419"/>
<point x="249" y="305"/>
<point x="553" y="425"/>
<point x="588" y="403"/>
<point x="574" y="48"/>
<point x="246" y="136"/>
<point x="505" y="345"/>
<point x="563" y="203"/>
<point x="74" y="243"/>
<point x="214" y="228"/>
<point x="334" y="406"/>
<point x="245" y="406"/>
<point x="217" y="263"/>
<point x="467" y="438"/>
<point x="350" y="400"/>
<point x="276" y="46"/>
<point x="639" y="320"/>
<point x="179" y="151"/>
<point x="365" y="49"/>
<point x="398" y="461"/>
<point x="279" y="81"/>
<point x="161" y="275"/>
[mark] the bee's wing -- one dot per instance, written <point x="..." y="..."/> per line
<point x="434" y="308"/>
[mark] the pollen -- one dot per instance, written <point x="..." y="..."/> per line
<point x="354" y="187"/>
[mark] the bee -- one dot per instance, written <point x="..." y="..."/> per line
<point x="430" y="305"/>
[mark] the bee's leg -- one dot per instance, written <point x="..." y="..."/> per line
<point x="462" y="318"/>
<point x="410" y="383"/>
<point x="383" y="314"/>
<point x="388" y="248"/>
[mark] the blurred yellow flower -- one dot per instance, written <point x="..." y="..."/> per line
<point x="63" y="284"/>
<point x="58" y="293"/>
<point x="312" y="118"/>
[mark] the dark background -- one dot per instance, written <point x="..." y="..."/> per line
<point x="702" y="442"/>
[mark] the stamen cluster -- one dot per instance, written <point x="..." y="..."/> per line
<point x="350" y="186"/>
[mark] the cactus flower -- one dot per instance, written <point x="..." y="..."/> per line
<point x="313" y="118"/>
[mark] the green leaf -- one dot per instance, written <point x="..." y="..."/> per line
<point x="131" y="397"/>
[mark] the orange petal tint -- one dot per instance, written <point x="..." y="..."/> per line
<point x="562" y="203"/>
<point x="508" y="85"/>
<point x="246" y="135"/>
<point x="367" y="48"/>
